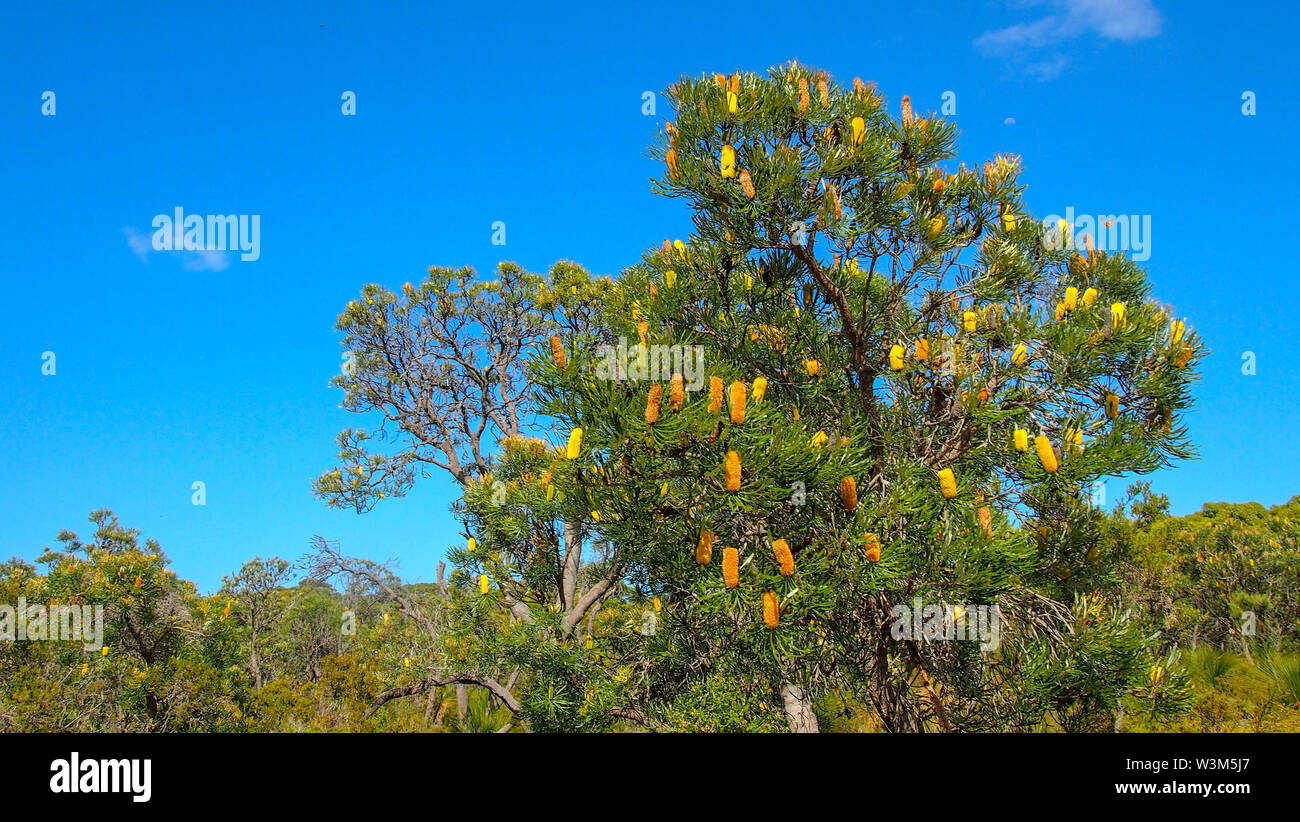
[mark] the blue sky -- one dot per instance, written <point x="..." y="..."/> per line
<point x="174" y="368"/>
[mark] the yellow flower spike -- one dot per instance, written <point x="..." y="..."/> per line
<point x="1112" y="406"/>
<point x="781" y="550"/>
<point x="1045" y="454"/>
<point x="935" y="226"/>
<point x="677" y="392"/>
<point x="557" y="352"/>
<point x="1176" y="332"/>
<point x="968" y="321"/>
<point x="473" y="543"/>
<point x="663" y="490"/>
<point x="728" y="162"/>
<point x="588" y="642"/>
<point x="671" y="159"/>
<point x="737" y="402"/>
<point x="1021" y="438"/>
<point x="1071" y="298"/>
<point x="760" y="389"/>
<point x="1117" y="313"/>
<point x="704" y="549"/>
<point x="813" y="367"/>
<point x="550" y="493"/>
<point x="652" y="404"/>
<point x="406" y="660"/>
<point x="896" y="358"/>
<point x="103" y="651"/>
<point x="1074" y="441"/>
<point x="679" y="247"/>
<point x="872" y="543"/>
<point x="659" y="606"/>
<point x="1156" y="674"/>
<point x="575" y="444"/>
<point x="1060" y="311"/>
<point x="85" y="669"/>
<point x="483" y="584"/>
<point x="730" y="567"/>
<point x="1089" y="297"/>
<point x="715" y="394"/>
<point x="733" y="102"/>
<point x="1183" y="356"/>
<point x="1008" y="221"/>
<point x="849" y="493"/>
<point x="595" y="516"/>
<point x="670" y="278"/>
<point x="636" y="310"/>
<point x="731" y="469"/>
<point x="947" y="483"/>
<point x="923" y="349"/>
<point x="749" y="281"/>
<point x="819" y="439"/>
<point x="771" y="609"/>
<point x="859" y="130"/>
<point x="1019" y="354"/>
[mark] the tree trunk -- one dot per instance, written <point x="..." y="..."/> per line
<point x="462" y="700"/>
<point x="798" y="709"/>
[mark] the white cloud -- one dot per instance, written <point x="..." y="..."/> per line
<point x="1124" y="21"/>
<point x="141" y="246"/>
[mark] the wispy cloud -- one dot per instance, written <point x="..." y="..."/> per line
<point x="141" y="245"/>
<point x="1124" y="21"/>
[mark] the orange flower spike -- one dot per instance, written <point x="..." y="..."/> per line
<point x="737" y="402"/>
<point x="652" y="404"/>
<point x="704" y="549"/>
<point x="730" y="567"/>
<point x="771" y="610"/>
<point x="732" y="471"/>
<point x="715" y="394"/>
<point x="677" y="392"/>
<point x="849" y="493"/>
<point x="781" y="550"/>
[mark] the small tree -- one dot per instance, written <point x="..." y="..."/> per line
<point x="911" y="387"/>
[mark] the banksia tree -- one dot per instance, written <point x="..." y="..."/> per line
<point x="916" y="328"/>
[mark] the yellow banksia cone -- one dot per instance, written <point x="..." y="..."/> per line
<point x="1089" y="297"/>
<point x="873" y="547"/>
<point x="1008" y="221"/>
<point x="677" y="392"/>
<point x="896" y="357"/>
<point x="728" y="162"/>
<point x="732" y="471"/>
<point x="968" y="321"/>
<point x="1019" y="354"/>
<point x="947" y="483"/>
<point x="781" y="550"/>
<point x="85" y="669"/>
<point x="1060" y="311"/>
<point x="471" y="545"/>
<point x="1183" y="356"/>
<point x="575" y="444"/>
<point x="704" y="548"/>
<point x="1112" y="406"/>
<point x="760" y="389"/>
<point x="733" y="102"/>
<point x="923" y="349"/>
<point x="557" y="352"/>
<point x="671" y="159"/>
<point x="859" y="130"/>
<point x="715" y="394"/>
<point x="849" y="493"/>
<point x="1176" y="331"/>
<point x="1156" y="674"/>
<point x="747" y="184"/>
<point x="1118" y="314"/>
<point x="1071" y="298"/>
<point x="670" y="278"/>
<point x="1045" y="454"/>
<point x="819" y="439"/>
<point x="771" y="609"/>
<point x="737" y="402"/>
<point x="483" y="584"/>
<point x="935" y="226"/>
<point x="1021" y="438"/>
<point x="730" y="567"/>
<point x="813" y="367"/>
<point x="1074" y="441"/>
<point x="652" y="404"/>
